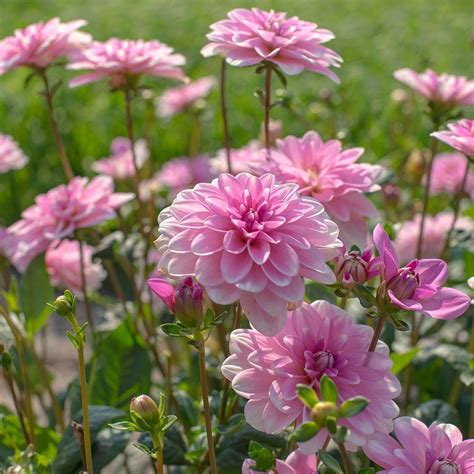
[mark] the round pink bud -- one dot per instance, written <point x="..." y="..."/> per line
<point x="404" y="283"/>
<point x="146" y="408"/>
<point x="188" y="304"/>
<point x="351" y="269"/>
<point x="447" y="467"/>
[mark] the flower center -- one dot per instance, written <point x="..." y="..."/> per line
<point x="404" y="283"/>
<point x="448" y="467"/>
<point x="318" y="363"/>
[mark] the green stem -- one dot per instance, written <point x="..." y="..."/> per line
<point x="345" y="459"/>
<point x="225" y="122"/>
<point x="19" y="411"/>
<point x="377" y="332"/>
<point x="267" y="106"/>
<point x="90" y="319"/>
<point x="158" y="445"/>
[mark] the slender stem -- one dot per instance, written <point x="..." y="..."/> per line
<point x="195" y="135"/>
<point x="267" y="106"/>
<point x="90" y="319"/>
<point x="377" y="332"/>
<point x="158" y="445"/>
<point x="19" y="411"/>
<point x="207" y="410"/>
<point x="343" y="302"/>
<point x="224" y="117"/>
<point x="345" y="459"/>
<point x="48" y="94"/>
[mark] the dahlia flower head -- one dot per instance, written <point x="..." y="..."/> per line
<point x="119" y="164"/>
<point x="58" y="213"/>
<point x="250" y="37"/>
<point x="331" y="175"/>
<point x="178" y="99"/>
<point x="441" y="88"/>
<point x="63" y="263"/>
<point x="448" y="173"/>
<point x="418" y="286"/>
<point x="295" y="463"/>
<point x="241" y="159"/>
<point x="40" y="44"/>
<point x="11" y="156"/>
<point x="245" y="238"/>
<point x="460" y="136"/>
<point x="435" y="231"/>
<point x="317" y="339"/>
<point x="418" y="449"/>
<point x="124" y="60"/>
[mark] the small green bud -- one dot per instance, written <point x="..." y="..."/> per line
<point x="322" y="410"/>
<point x="63" y="306"/>
<point x="147" y="412"/>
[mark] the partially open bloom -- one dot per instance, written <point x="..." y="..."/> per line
<point x="121" y="61"/>
<point x="240" y="158"/>
<point x="249" y="37"/>
<point x="248" y="239"/>
<point x="460" y="136"/>
<point x="356" y="267"/>
<point x="295" y="463"/>
<point x="40" y="44"/>
<point x="63" y="263"/>
<point x="441" y="88"/>
<point x="435" y="231"/>
<point x="448" y="174"/>
<point x="418" y="285"/>
<point x="178" y="99"/>
<point x="11" y="156"/>
<point x="58" y="213"/>
<point x="119" y="164"/>
<point x="317" y="339"/>
<point x="438" y="449"/>
<point x="332" y="176"/>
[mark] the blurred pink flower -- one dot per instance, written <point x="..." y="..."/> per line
<point x="248" y="239"/>
<point x="63" y="263"/>
<point x="58" y="213"/>
<point x="295" y="463"/>
<point x="119" y="164"/>
<point x="438" y="449"/>
<point x="435" y="231"/>
<point x="332" y="176"/>
<point x="418" y="285"/>
<point x="178" y="99"/>
<point x="40" y="44"/>
<point x="317" y="339"/>
<point x="443" y="88"/>
<point x="460" y="136"/>
<point x="250" y="37"/>
<point x="241" y="158"/>
<point x="448" y="173"/>
<point x="11" y="156"/>
<point x="356" y="267"/>
<point x="122" y="60"/>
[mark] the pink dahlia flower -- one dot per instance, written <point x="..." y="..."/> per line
<point x="418" y="286"/>
<point x="121" y="60"/>
<point x="295" y="463"/>
<point x="438" y="449"/>
<point x="249" y="37"/>
<point x="63" y="263"/>
<point x="58" y="213"/>
<point x="317" y="339"/>
<point x="240" y="158"/>
<point x="40" y="44"/>
<point x="178" y="99"/>
<point x="119" y="164"/>
<point x="442" y="88"/>
<point x="11" y="156"/>
<point x="332" y="176"/>
<point x="460" y="136"/>
<point x="448" y="174"/>
<point x="248" y="239"/>
<point x="435" y="231"/>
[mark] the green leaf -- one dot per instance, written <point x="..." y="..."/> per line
<point x="436" y="410"/>
<point x="364" y="295"/>
<point x="172" y="329"/>
<point x="188" y="412"/>
<point x="353" y="406"/>
<point x="366" y="470"/>
<point x="328" y="390"/>
<point x="167" y="422"/>
<point x="265" y="460"/>
<point x="306" y="431"/>
<point x="307" y="395"/>
<point x="123" y="426"/>
<point x="143" y="448"/>
<point x="317" y="291"/>
<point x="400" y="361"/>
<point x="329" y="461"/>
<point x="331" y="424"/>
<point x="341" y="434"/>
<point x="254" y="449"/>
<point x="399" y="324"/>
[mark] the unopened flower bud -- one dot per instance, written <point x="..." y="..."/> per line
<point x="189" y="302"/>
<point x="351" y="269"/>
<point x="322" y="410"/>
<point x="416" y="165"/>
<point x="147" y="410"/>
<point x="404" y="283"/>
<point x="391" y="195"/>
<point x="63" y="306"/>
<point x="448" y="467"/>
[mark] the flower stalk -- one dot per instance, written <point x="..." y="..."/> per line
<point x="225" y="122"/>
<point x="267" y="105"/>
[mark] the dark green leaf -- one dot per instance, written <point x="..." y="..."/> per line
<point x="331" y="424"/>
<point x="188" y="412"/>
<point x="317" y="291"/>
<point x="328" y="390"/>
<point x="436" y="410"/>
<point x="366" y="470"/>
<point x="329" y="461"/>
<point x="265" y="460"/>
<point x="353" y="406"/>
<point x="399" y="324"/>
<point x="254" y="449"/>
<point x="364" y="295"/>
<point x="143" y="448"/>
<point x="400" y="361"/>
<point x="123" y="426"/>
<point x="172" y="329"/>
<point x="307" y="395"/>
<point x="306" y="431"/>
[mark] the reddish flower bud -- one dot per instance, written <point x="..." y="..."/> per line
<point x="447" y="467"/>
<point x="404" y="283"/>
<point x="188" y="304"/>
<point x="351" y="269"/>
<point x="146" y="408"/>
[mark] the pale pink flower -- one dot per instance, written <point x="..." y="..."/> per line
<point x="448" y="173"/>
<point x="178" y="99"/>
<point x="149" y="188"/>
<point x="295" y="463"/>
<point x="119" y="164"/>
<point x="435" y="231"/>
<point x="11" y="156"/>
<point x="250" y="37"/>
<point x="248" y="239"/>
<point x="124" y="60"/>
<point x="241" y="158"/>
<point x="438" y="449"/>
<point x="63" y="263"/>
<point x="460" y="136"/>
<point x="442" y="88"/>
<point x="317" y="339"/>
<point x="332" y="176"/>
<point x="40" y="44"/>
<point x="58" y="213"/>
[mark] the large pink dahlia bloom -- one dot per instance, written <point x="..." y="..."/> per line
<point x="121" y="60"/>
<point x="295" y="463"/>
<point x="331" y="175"/>
<point x="248" y="239"/>
<point x="317" y="339"/>
<point x="438" y="449"/>
<point x="11" y="156"/>
<point x="63" y="263"/>
<point x="249" y="37"/>
<point x="448" y="173"/>
<point x="443" y="88"/>
<point x="40" y="44"/>
<point x="58" y="213"/>
<point x="460" y="136"/>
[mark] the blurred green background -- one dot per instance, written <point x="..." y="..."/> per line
<point x="374" y="37"/>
